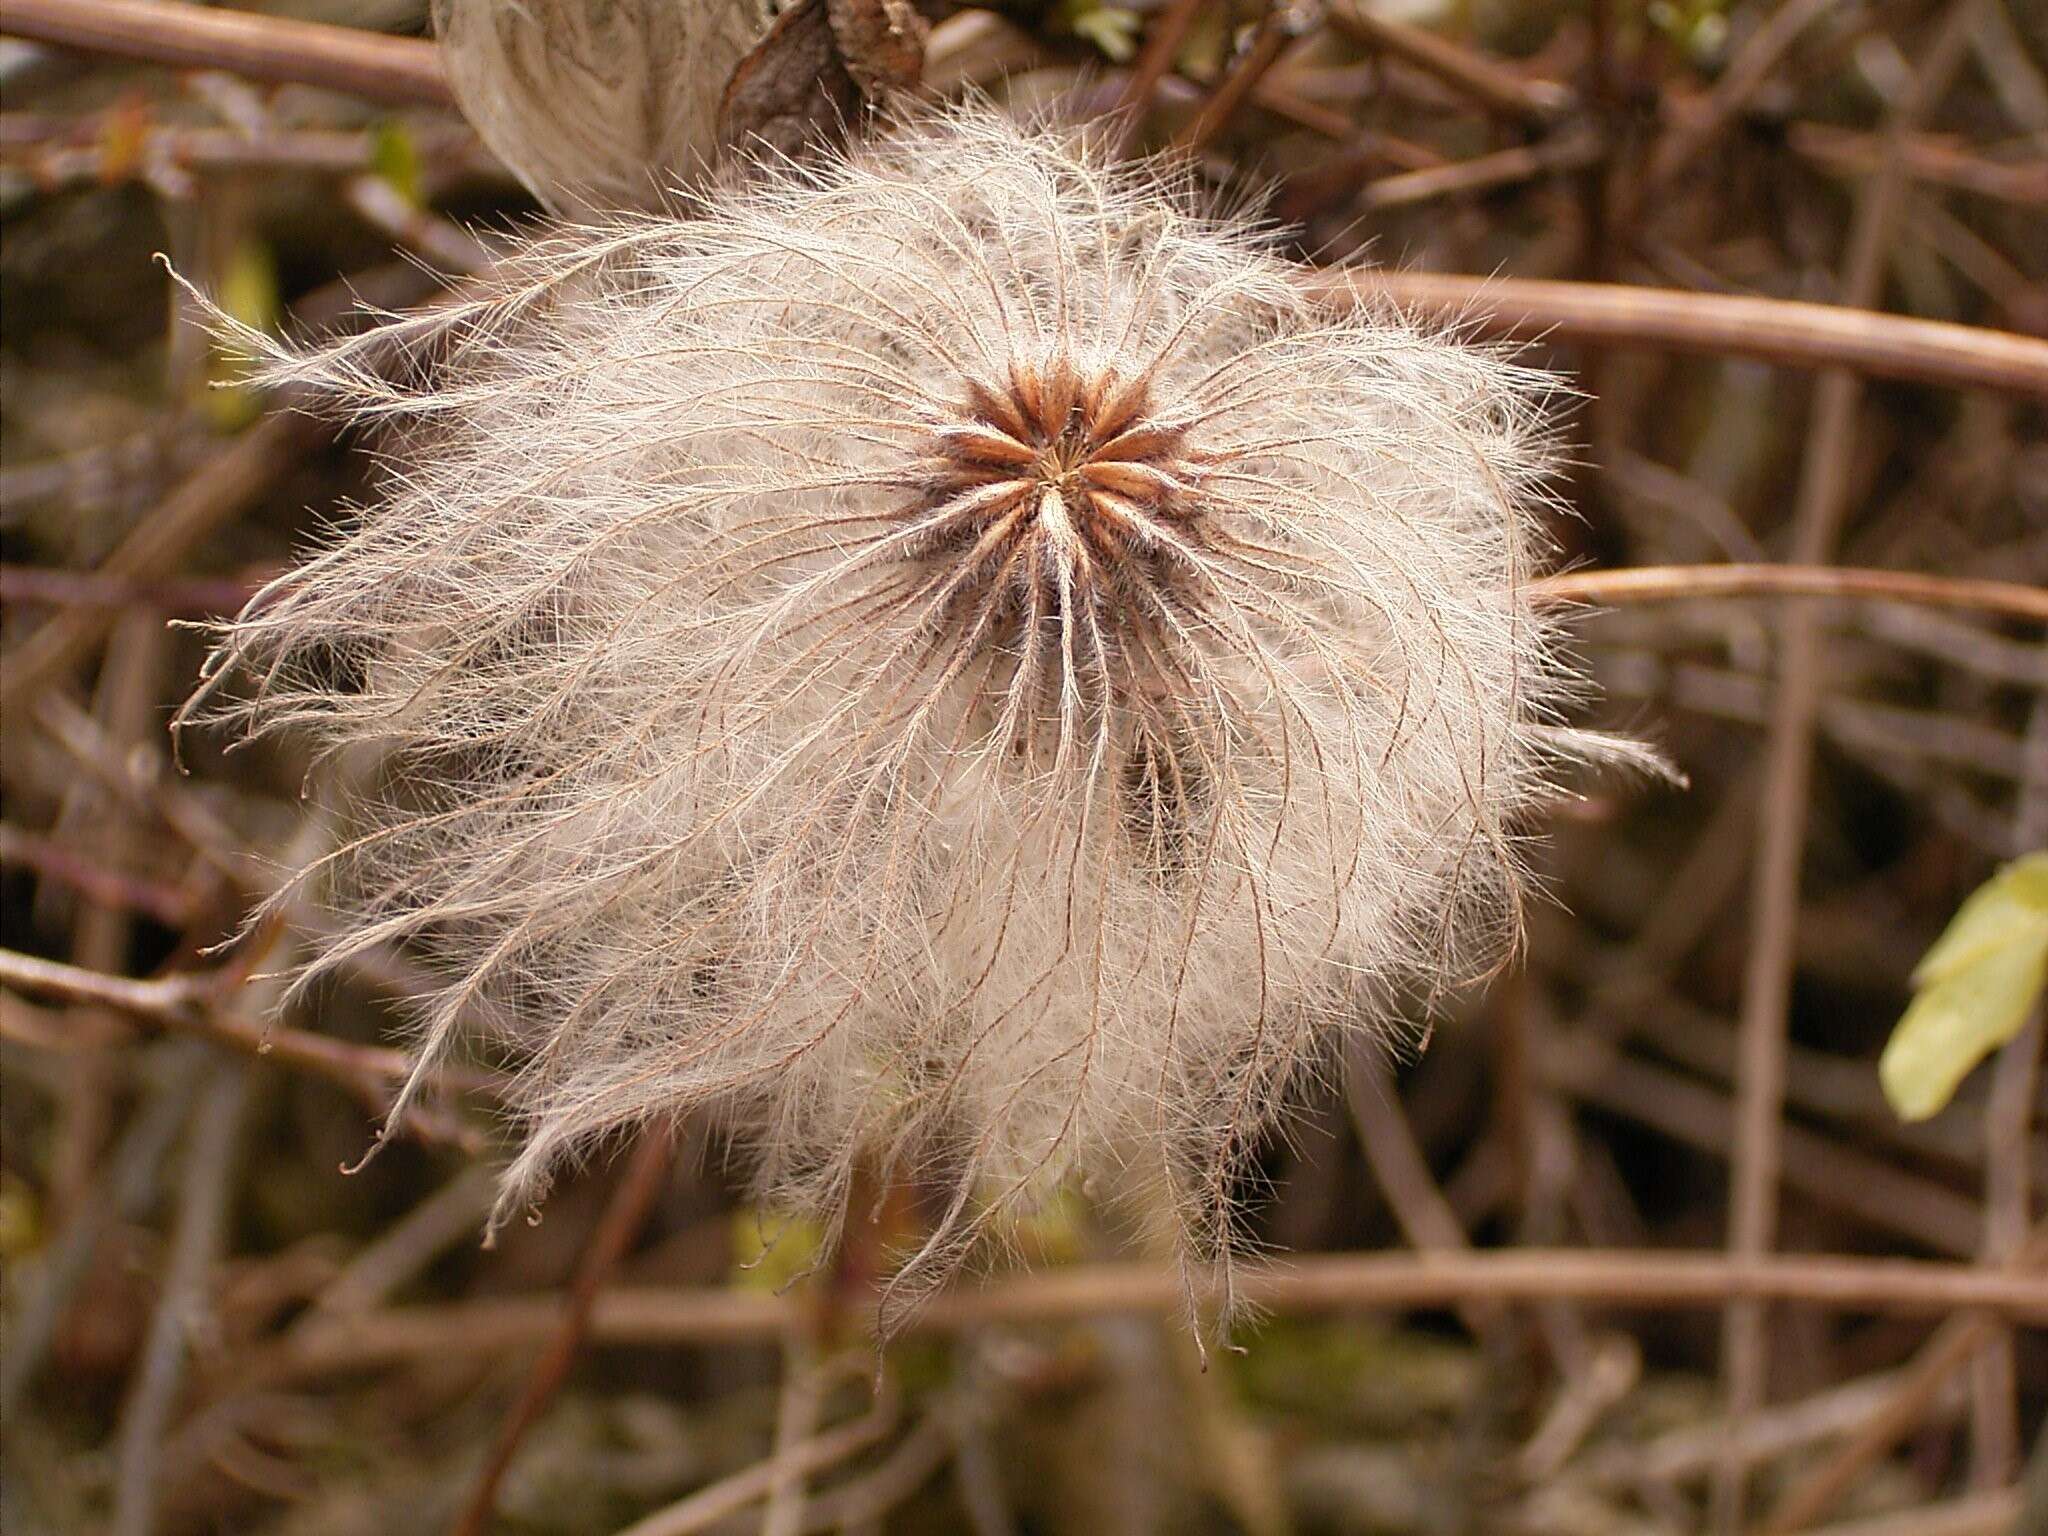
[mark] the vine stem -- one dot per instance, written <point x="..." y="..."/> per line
<point x="1677" y="583"/>
<point x="1783" y="331"/>
<point x="277" y="49"/>
<point x="1306" y="1284"/>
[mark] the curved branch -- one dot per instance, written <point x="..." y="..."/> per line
<point x="1676" y="583"/>
<point x="1309" y="1283"/>
<point x="1782" y="331"/>
<point x="192" y="1003"/>
<point x="273" y="48"/>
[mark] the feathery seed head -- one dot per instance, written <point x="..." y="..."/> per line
<point x="943" y="657"/>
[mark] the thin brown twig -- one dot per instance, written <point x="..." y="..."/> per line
<point x="191" y="597"/>
<point x="219" y="491"/>
<point x="84" y="839"/>
<point x="1237" y="1461"/>
<point x="805" y="1381"/>
<point x="1689" y="1449"/>
<point x="1154" y="61"/>
<point x="1877" y="1193"/>
<point x="1318" y="1283"/>
<point x="142" y="780"/>
<point x="204" y="1200"/>
<point x="1820" y="1083"/>
<point x="1924" y="158"/>
<point x="447" y="246"/>
<point x="2008" y="1117"/>
<point x="709" y="1505"/>
<point x="1887" y="737"/>
<point x="1787" y="332"/>
<point x="2008" y="1197"/>
<point x="977" y="1474"/>
<point x="1675" y="583"/>
<point x="189" y="1003"/>
<point x="1783" y="331"/>
<point x="1282" y="23"/>
<point x="1613" y="1367"/>
<point x="166" y="1000"/>
<point x="1276" y="95"/>
<point x="863" y="1503"/>
<point x="2016" y="81"/>
<point x="117" y="890"/>
<point x="409" y="1244"/>
<point x="272" y="48"/>
<point x="123" y="1191"/>
<point x="2019" y="304"/>
<point x="1380" y="1123"/>
<point x="98" y="148"/>
<point x="1747" y="70"/>
<point x="1978" y="1514"/>
<point x="1492" y="84"/>
<point x="1568" y="150"/>
<point x="624" y="1215"/>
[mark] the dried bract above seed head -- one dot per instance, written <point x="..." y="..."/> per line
<point x="597" y="104"/>
<point x="943" y="658"/>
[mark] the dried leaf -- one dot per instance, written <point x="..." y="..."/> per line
<point x="597" y="104"/>
<point x="1977" y="986"/>
<point x="820" y="63"/>
<point x="792" y="90"/>
<point x="881" y="43"/>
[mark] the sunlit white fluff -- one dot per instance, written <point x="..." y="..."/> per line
<point x="943" y="658"/>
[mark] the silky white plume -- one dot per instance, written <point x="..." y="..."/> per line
<point x="943" y="658"/>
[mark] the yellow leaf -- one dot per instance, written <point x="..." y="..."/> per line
<point x="1110" y="28"/>
<point x="2005" y="909"/>
<point x="1976" y="987"/>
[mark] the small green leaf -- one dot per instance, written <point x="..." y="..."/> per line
<point x="20" y="1218"/>
<point x="1975" y="989"/>
<point x="1700" y="27"/>
<point x="248" y="287"/>
<point x="770" y="1250"/>
<point x="1111" y="29"/>
<point x="395" y="157"/>
<point x="1055" y="1233"/>
<point x="248" y="292"/>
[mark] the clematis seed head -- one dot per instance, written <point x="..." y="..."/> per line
<point x="942" y="659"/>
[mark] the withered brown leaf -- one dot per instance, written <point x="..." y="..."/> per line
<point x="821" y="62"/>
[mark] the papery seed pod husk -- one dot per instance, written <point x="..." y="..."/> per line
<point x="942" y="658"/>
<point x="597" y="105"/>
